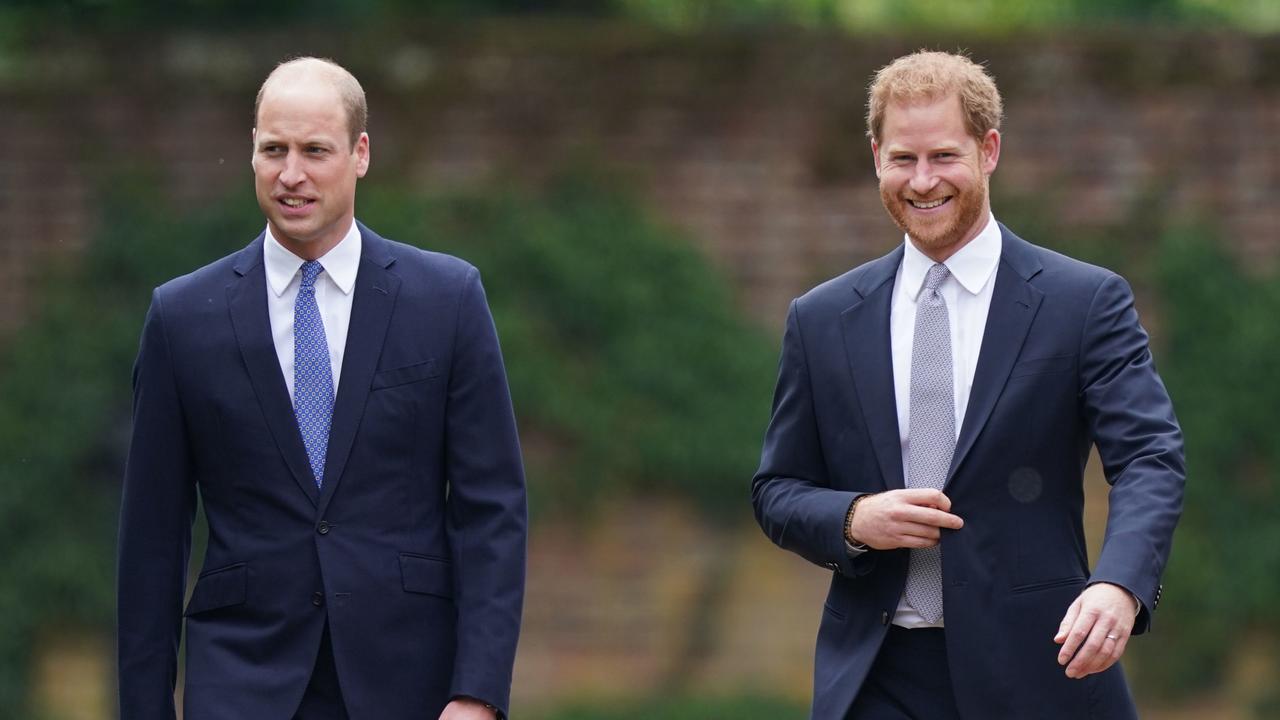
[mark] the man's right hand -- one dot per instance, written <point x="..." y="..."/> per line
<point x="911" y="518"/>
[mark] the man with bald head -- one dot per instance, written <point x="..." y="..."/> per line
<point x="338" y="403"/>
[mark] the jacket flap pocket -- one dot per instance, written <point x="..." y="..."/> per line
<point x="219" y="588"/>
<point x="1043" y="366"/>
<point x="422" y="574"/>
<point x="405" y="375"/>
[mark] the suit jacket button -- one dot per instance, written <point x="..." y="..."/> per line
<point x="317" y="599"/>
<point x="323" y="527"/>
<point x="884" y="617"/>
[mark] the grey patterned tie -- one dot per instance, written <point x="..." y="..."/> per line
<point x="931" y="439"/>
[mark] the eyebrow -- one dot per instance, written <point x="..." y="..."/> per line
<point x="898" y="149"/>
<point x="268" y="140"/>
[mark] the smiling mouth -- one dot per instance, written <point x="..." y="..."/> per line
<point x="295" y="202"/>
<point x="929" y="204"/>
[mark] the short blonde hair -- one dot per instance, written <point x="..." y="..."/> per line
<point x="353" y="101"/>
<point x="930" y="75"/>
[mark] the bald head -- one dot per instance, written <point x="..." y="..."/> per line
<point x="311" y="70"/>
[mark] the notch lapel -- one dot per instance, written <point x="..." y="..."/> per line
<point x="868" y="347"/>
<point x="375" y="297"/>
<point x="247" y="300"/>
<point x="1014" y="303"/>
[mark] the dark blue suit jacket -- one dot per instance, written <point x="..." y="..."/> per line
<point x="1064" y="364"/>
<point x="414" y="550"/>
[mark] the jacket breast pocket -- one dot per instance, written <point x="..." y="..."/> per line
<point x="1044" y="366"/>
<point x="416" y="372"/>
<point x="426" y="575"/>
<point x="220" y="588"/>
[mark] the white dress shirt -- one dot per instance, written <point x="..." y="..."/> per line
<point x="967" y="292"/>
<point x="334" y="293"/>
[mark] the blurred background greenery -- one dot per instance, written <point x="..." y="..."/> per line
<point x="643" y="184"/>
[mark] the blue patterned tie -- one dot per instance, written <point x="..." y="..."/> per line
<point x="312" y="376"/>
<point x="931" y="435"/>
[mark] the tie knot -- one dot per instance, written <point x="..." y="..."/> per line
<point x="311" y="270"/>
<point x="937" y="274"/>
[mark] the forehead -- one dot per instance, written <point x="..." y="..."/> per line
<point x="308" y="106"/>
<point x="926" y="119"/>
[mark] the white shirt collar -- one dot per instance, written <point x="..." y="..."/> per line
<point x="972" y="265"/>
<point x="340" y="263"/>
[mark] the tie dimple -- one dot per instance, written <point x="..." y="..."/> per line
<point x="312" y="373"/>
<point x="931" y="438"/>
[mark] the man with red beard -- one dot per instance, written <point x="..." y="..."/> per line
<point x="932" y="419"/>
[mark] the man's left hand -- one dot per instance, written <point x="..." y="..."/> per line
<point x="1095" y="630"/>
<point x="467" y="709"/>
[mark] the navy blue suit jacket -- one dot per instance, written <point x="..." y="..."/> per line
<point x="1064" y="364"/>
<point x="413" y="551"/>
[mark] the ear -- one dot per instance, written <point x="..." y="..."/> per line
<point x="362" y="155"/>
<point x="990" y="151"/>
<point x="875" y="156"/>
<point x="253" y="145"/>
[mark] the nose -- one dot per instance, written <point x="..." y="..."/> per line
<point x="923" y="179"/>
<point x="292" y="174"/>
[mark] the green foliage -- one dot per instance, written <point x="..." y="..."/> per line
<point x="745" y="707"/>
<point x="1221" y="342"/>
<point x="630" y="369"/>
<point x="1259" y="16"/>
<point x="64" y="402"/>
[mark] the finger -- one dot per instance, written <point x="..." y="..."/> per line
<point x="1120" y="634"/>
<point x="1112" y="648"/>
<point x="1121" y="644"/>
<point x="926" y="497"/>
<point x="1067" y="621"/>
<point x="916" y="542"/>
<point x="917" y="532"/>
<point x="1076" y="636"/>
<point x="942" y="519"/>
<point x="1091" y="654"/>
<point x="930" y="516"/>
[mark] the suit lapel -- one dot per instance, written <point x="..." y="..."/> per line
<point x="375" y="296"/>
<point x="869" y="349"/>
<point x="1014" y="303"/>
<point x="247" y="299"/>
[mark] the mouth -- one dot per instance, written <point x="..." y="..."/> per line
<point x="929" y="204"/>
<point x="293" y="205"/>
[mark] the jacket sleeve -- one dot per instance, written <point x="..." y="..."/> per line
<point x="791" y="492"/>
<point x="1131" y="420"/>
<point x="157" y="509"/>
<point x="487" y="514"/>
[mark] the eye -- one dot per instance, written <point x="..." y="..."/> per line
<point x="317" y="150"/>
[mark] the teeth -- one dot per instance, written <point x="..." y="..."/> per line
<point x="928" y="205"/>
<point x="294" y="202"/>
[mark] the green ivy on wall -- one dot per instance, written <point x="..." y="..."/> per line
<point x="1220" y="361"/>
<point x="630" y="369"/>
<point x="64" y="418"/>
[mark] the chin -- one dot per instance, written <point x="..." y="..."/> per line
<point x="934" y="239"/>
